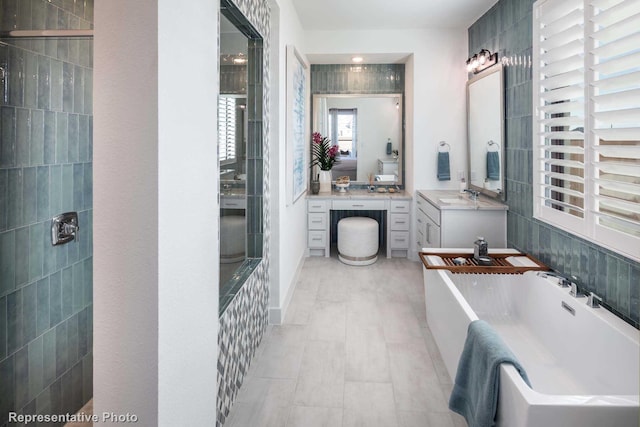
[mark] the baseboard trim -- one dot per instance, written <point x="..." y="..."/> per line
<point x="277" y="314"/>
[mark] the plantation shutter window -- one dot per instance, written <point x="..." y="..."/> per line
<point x="561" y="108"/>
<point x="586" y="82"/>
<point x="226" y="129"/>
<point x="616" y="118"/>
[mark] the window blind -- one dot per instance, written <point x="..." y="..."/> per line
<point x="587" y="119"/>
<point x="226" y="129"/>
<point x="616" y="118"/>
<point x="561" y="118"/>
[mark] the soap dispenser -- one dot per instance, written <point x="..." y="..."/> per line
<point x="480" y="248"/>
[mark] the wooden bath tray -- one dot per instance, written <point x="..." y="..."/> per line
<point x="500" y="265"/>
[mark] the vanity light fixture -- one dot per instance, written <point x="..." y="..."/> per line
<point x="357" y="59"/>
<point x="481" y="61"/>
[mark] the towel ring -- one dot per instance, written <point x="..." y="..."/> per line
<point x="490" y="143"/>
<point x="443" y="144"/>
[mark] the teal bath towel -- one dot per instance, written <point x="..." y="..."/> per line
<point x="444" y="173"/>
<point x="493" y="165"/>
<point x="475" y="392"/>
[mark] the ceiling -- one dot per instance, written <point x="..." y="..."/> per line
<point x="389" y="14"/>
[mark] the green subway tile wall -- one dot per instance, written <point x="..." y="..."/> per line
<point x="366" y="78"/>
<point x="46" y="294"/>
<point x="507" y="29"/>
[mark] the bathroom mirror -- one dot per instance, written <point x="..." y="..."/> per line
<point x="239" y="122"/>
<point x="368" y="129"/>
<point x="485" y="132"/>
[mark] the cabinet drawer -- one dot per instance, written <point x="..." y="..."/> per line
<point x="317" y="239"/>
<point x="400" y="206"/>
<point x="421" y="220"/>
<point x="317" y="205"/>
<point x="399" y="240"/>
<point x="233" y="203"/>
<point x="420" y="241"/>
<point x="399" y="222"/>
<point x="358" y="205"/>
<point x="430" y="210"/>
<point x="317" y="221"/>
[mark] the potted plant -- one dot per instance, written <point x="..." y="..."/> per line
<point x="325" y="156"/>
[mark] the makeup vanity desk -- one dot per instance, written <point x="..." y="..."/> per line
<point x="393" y="208"/>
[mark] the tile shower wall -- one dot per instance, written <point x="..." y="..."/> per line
<point x="45" y="169"/>
<point x="244" y="322"/>
<point x="507" y="29"/>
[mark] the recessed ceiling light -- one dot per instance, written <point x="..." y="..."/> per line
<point x="357" y="59"/>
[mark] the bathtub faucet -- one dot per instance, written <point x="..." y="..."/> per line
<point x="564" y="281"/>
<point x="593" y="300"/>
<point x="575" y="291"/>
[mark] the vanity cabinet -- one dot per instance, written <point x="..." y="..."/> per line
<point x="399" y="222"/>
<point x="396" y="209"/>
<point x="318" y="227"/>
<point x="446" y="219"/>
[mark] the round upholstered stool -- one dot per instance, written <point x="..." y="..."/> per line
<point x="232" y="241"/>
<point x="358" y="240"/>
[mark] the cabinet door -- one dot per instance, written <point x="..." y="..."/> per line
<point x="460" y="228"/>
<point x="432" y="234"/>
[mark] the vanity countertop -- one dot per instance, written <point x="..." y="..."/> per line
<point x="233" y="193"/>
<point x="453" y="200"/>
<point x="361" y="194"/>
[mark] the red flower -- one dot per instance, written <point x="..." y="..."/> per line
<point x="325" y="154"/>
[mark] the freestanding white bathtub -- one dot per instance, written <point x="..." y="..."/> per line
<point x="583" y="367"/>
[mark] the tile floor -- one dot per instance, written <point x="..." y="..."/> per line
<point x="86" y="409"/>
<point x="354" y="350"/>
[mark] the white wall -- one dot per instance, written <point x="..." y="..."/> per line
<point x="155" y="213"/>
<point x="435" y="96"/>
<point x="435" y="91"/>
<point x="288" y="234"/>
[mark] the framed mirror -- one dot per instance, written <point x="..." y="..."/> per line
<point x="368" y="129"/>
<point x="485" y="132"/>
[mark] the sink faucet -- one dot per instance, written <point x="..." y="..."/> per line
<point x="473" y="194"/>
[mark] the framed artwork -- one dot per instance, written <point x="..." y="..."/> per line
<point x="297" y="124"/>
